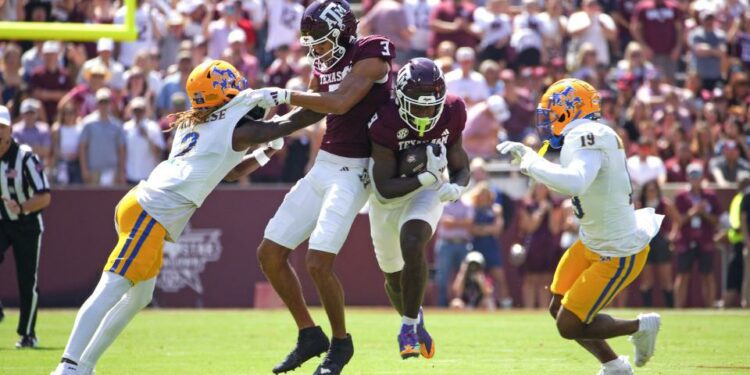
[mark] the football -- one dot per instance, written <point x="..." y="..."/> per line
<point x="413" y="160"/>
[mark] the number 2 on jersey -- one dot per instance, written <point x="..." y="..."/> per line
<point x="187" y="143"/>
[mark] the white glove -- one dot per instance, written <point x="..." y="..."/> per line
<point x="523" y="156"/>
<point x="435" y="166"/>
<point x="272" y="96"/>
<point x="277" y="144"/>
<point x="517" y="150"/>
<point x="450" y="192"/>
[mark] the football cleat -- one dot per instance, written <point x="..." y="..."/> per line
<point x="621" y="367"/>
<point x="426" y="345"/>
<point x="408" y="342"/>
<point x="311" y="342"/>
<point x="339" y="354"/>
<point x="27" y="342"/>
<point x="645" y="339"/>
<point x="64" y="368"/>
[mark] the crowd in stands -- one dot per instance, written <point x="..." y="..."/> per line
<point x="672" y="75"/>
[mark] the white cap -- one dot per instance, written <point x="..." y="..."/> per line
<point x="474" y="256"/>
<point x="103" y="94"/>
<point x="30" y="105"/>
<point x="498" y="107"/>
<point x="237" y="35"/>
<point x="105" y="44"/>
<point x="138" y="102"/>
<point x="175" y="19"/>
<point x="188" y="6"/>
<point x="465" y="53"/>
<point x="51" y="46"/>
<point x="4" y="115"/>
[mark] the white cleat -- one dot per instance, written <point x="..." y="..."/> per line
<point x="645" y="339"/>
<point x="65" y="369"/>
<point x="620" y="366"/>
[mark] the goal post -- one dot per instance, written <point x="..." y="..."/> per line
<point x="82" y="32"/>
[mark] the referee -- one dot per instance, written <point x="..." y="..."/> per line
<point x="25" y="192"/>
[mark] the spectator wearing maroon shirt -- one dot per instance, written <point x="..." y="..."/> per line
<point x="452" y="20"/>
<point x="540" y="221"/>
<point x="49" y="83"/>
<point x="84" y="94"/>
<point x="657" y="25"/>
<point x="622" y="15"/>
<point x="677" y="165"/>
<point x="521" y="105"/>
<point x="699" y="209"/>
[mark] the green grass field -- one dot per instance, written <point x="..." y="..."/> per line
<point x="250" y="342"/>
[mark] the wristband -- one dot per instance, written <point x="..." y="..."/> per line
<point x="261" y="157"/>
<point x="426" y="178"/>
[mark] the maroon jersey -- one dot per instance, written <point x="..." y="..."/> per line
<point x="697" y="229"/>
<point x="346" y="135"/>
<point x="659" y="24"/>
<point x="387" y="129"/>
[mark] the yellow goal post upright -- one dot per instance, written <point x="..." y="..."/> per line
<point x="78" y="32"/>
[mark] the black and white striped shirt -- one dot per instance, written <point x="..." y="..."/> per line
<point x="21" y="176"/>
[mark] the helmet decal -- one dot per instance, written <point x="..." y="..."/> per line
<point x="224" y="78"/>
<point x="565" y="101"/>
<point x="214" y="83"/>
<point x="333" y="15"/>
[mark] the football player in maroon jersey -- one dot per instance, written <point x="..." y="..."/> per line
<point x="404" y="211"/>
<point x="351" y="80"/>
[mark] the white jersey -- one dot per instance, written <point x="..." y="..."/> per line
<point x="201" y="157"/>
<point x="609" y="224"/>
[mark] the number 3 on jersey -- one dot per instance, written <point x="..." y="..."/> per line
<point x="187" y="143"/>
<point x="386" y="52"/>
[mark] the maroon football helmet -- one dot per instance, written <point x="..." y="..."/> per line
<point x="420" y="93"/>
<point x="328" y="21"/>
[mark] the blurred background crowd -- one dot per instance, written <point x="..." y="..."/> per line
<point x="673" y="79"/>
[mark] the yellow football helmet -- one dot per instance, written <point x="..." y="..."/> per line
<point x="564" y="101"/>
<point x="214" y="83"/>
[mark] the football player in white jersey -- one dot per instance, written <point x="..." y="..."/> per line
<point x="614" y="237"/>
<point x="211" y="143"/>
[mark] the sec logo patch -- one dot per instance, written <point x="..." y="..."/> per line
<point x="403" y="133"/>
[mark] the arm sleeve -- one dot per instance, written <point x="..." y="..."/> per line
<point x="572" y="180"/>
<point x="34" y="171"/>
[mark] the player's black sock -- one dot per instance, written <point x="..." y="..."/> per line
<point x="65" y="360"/>
<point x="646" y="297"/>
<point x="669" y="298"/>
